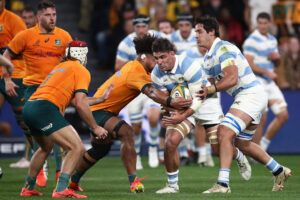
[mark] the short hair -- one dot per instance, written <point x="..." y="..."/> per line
<point x="209" y="24"/>
<point x="163" y="45"/>
<point x="28" y="8"/>
<point x="263" y="15"/>
<point x="143" y="44"/>
<point x="44" y="4"/>
<point x="164" y="21"/>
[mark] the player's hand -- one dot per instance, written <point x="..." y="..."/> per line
<point x="202" y="94"/>
<point x="10" y="87"/>
<point x="272" y="75"/>
<point x="181" y="103"/>
<point x="100" y="133"/>
<point x="106" y="94"/>
<point x="274" y="56"/>
<point x="174" y="118"/>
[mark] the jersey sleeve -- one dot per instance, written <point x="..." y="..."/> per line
<point x="249" y="47"/>
<point x="226" y="57"/>
<point x="125" y="51"/>
<point x="137" y="80"/>
<point x="155" y="77"/>
<point x="82" y="80"/>
<point x="18" y="43"/>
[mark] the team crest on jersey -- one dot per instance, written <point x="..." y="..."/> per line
<point x="1" y="28"/>
<point x="57" y="42"/>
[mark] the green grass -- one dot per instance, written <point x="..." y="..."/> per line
<point x="108" y="180"/>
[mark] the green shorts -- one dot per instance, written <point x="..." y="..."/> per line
<point x="14" y="101"/>
<point x="30" y="89"/>
<point x="43" y="117"/>
<point x="101" y="116"/>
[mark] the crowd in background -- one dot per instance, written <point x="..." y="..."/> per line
<point x="109" y="21"/>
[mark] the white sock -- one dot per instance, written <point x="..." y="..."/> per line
<point x="201" y="151"/>
<point x="208" y="148"/>
<point x="239" y="156"/>
<point x="173" y="177"/>
<point x="264" y="143"/>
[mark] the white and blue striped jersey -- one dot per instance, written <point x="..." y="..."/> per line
<point x="186" y="71"/>
<point x="260" y="46"/>
<point x="183" y="44"/>
<point x="223" y="54"/>
<point x="193" y="53"/>
<point x="126" y="50"/>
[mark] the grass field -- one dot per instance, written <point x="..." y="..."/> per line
<point x="108" y="180"/>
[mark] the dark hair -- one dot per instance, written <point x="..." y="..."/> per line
<point x="263" y="15"/>
<point x="164" y="21"/>
<point x="163" y="45"/>
<point x="209" y="24"/>
<point x="28" y="9"/>
<point x="144" y="19"/>
<point x="143" y="44"/>
<point x="44" y="4"/>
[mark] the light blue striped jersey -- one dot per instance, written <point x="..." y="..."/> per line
<point x="186" y="71"/>
<point x="260" y="46"/>
<point x="126" y="50"/>
<point x="183" y="44"/>
<point x="223" y="54"/>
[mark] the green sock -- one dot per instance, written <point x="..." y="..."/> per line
<point x="57" y="156"/>
<point x="62" y="182"/>
<point x="30" y="182"/>
<point x="77" y="176"/>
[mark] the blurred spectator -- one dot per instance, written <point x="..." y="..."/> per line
<point x="165" y="26"/>
<point x="258" y="6"/>
<point x="155" y="9"/>
<point x="107" y="40"/>
<point x="290" y="66"/>
<point x="28" y="16"/>
<point x="17" y="6"/>
<point x="212" y="8"/>
<point x="86" y="11"/>
<point x="175" y="7"/>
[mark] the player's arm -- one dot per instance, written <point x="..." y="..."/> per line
<point x="164" y="99"/>
<point x="119" y="64"/>
<point x="259" y="70"/>
<point x="81" y="103"/>
<point x="10" y="86"/>
<point x="6" y="63"/>
<point x="102" y="98"/>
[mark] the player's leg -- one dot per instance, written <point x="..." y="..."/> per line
<point x="174" y="136"/>
<point x="135" y="112"/>
<point x="161" y="149"/>
<point x="153" y="114"/>
<point x="279" y="108"/>
<point x="200" y="138"/>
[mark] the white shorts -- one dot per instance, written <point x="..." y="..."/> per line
<point x="137" y="105"/>
<point x="210" y="111"/>
<point x="273" y="93"/>
<point x="252" y="101"/>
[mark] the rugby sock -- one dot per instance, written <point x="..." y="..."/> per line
<point x="75" y="178"/>
<point x="223" y="178"/>
<point x="208" y="148"/>
<point x="173" y="177"/>
<point x="264" y="143"/>
<point x="161" y="154"/>
<point x="131" y="178"/>
<point x="274" y="167"/>
<point x="154" y="132"/>
<point x="137" y="143"/>
<point x="239" y="155"/>
<point x="57" y="153"/>
<point x="202" y="151"/>
<point x="30" y="182"/>
<point x="62" y="182"/>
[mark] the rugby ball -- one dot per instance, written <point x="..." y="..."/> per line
<point x="181" y="91"/>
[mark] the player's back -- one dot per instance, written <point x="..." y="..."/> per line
<point x="127" y="84"/>
<point x="60" y="85"/>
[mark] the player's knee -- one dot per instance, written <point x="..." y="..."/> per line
<point x="171" y="143"/>
<point x="99" y="151"/>
<point x="225" y="134"/>
<point x="283" y="116"/>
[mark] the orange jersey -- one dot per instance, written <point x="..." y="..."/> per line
<point x="41" y="52"/>
<point x="10" y="25"/>
<point x="62" y="83"/>
<point x="128" y="83"/>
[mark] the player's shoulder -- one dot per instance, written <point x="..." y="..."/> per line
<point x="11" y="15"/>
<point x="62" y="32"/>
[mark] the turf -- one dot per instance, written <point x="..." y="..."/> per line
<point x="108" y="180"/>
